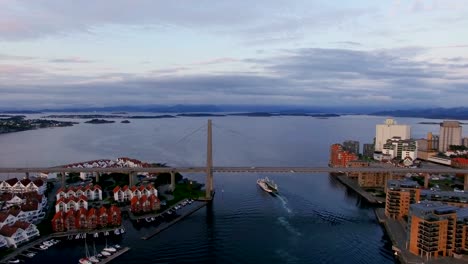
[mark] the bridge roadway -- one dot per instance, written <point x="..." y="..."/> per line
<point x="239" y="170"/>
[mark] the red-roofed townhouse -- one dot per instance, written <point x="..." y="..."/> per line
<point x="30" y="229"/>
<point x="115" y="216"/>
<point x="118" y="194"/>
<point x="70" y="220"/>
<point x="135" y="205"/>
<point x="92" y="219"/>
<point x="7" y="219"/>
<point x="155" y="204"/>
<point x="103" y="217"/>
<point x="58" y="224"/>
<point x="13" y="235"/>
<point x="81" y="217"/>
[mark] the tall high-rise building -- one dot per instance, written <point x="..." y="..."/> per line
<point x="450" y="134"/>
<point x="351" y="146"/>
<point x="465" y="142"/>
<point x="401" y="149"/>
<point x="390" y="129"/>
<point x="368" y="150"/>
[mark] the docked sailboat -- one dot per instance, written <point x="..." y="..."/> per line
<point x="94" y="257"/>
<point x="86" y="259"/>
<point x="267" y="185"/>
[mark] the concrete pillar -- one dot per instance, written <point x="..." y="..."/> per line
<point x="426" y="180"/>
<point x="172" y="181"/>
<point x="97" y="176"/>
<point x="132" y="178"/>
<point x="63" y="178"/>
<point x="465" y="184"/>
<point x="27" y="175"/>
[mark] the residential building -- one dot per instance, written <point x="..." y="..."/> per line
<point x="389" y="130"/>
<point x="368" y="151"/>
<point x="351" y="146"/>
<point x="461" y="163"/>
<point x="91" y="192"/>
<point x="401" y="149"/>
<point x="83" y="219"/>
<point x="450" y="134"/>
<point x="459" y="199"/>
<point x="18" y="233"/>
<point x="431" y="229"/>
<point x="125" y="194"/>
<point x="145" y="204"/>
<point x="72" y="203"/>
<point x="399" y="195"/>
<point x="14" y="185"/>
<point x="340" y="157"/>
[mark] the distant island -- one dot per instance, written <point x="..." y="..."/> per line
<point x="436" y="123"/>
<point x="457" y="113"/>
<point x="108" y="116"/>
<point x="125" y="122"/>
<point x="99" y="121"/>
<point x="19" y="123"/>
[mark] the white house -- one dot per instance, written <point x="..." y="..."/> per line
<point x="7" y="219"/>
<point x="126" y="194"/>
<point x="21" y="186"/>
<point x="18" y="233"/>
<point x="72" y="203"/>
<point x="92" y="192"/>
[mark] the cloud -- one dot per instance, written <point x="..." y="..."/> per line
<point x="70" y="60"/>
<point x="306" y="76"/>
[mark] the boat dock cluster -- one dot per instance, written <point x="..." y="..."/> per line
<point x="33" y="250"/>
<point x="117" y="231"/>
<point x="169" y="213"/>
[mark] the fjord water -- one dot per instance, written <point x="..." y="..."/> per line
<point x="314" y="219"/>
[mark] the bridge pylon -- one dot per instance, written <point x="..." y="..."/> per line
<point x="209" y="163"/>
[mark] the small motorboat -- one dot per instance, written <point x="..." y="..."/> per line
<point x="93" y="259"/>
<point x="43" y="247"/>
<point x="84" y="261"/>
<point x="147" y="219"/>
<point x="105" y="253"/>
<point x="122" y="230"/>
<point x="117" y="231"/>
<point x="117" y="246"/>
<point x="110" y="249"/>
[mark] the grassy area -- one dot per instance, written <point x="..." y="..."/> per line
<point x="185" y="191"/>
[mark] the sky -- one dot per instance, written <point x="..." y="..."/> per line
<point x="384" y="54"/>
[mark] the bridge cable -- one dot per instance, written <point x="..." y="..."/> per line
<point x="189" y="134"/>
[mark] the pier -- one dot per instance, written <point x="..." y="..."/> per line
<point x="164" y="226"/>
<point x="115" y="255"/>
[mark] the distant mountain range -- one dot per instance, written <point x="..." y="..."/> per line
<point x="459" y="113"/>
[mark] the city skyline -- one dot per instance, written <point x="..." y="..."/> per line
<point x="304" y="53"/>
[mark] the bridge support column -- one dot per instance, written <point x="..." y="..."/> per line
<point x="64" y="177"/>
<point x="172" y="181"/>
<point x="98" y="174"/>
<point x="132" y="178"/>
<point x="465" y="184"/>
<point x="426" y="180"/>
<point x="27" y="175"/>
<point x="209" y="163"/>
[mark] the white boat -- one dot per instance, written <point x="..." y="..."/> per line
<point x="43" y="247"/>
<point x="84" y="261"/>
<point x="77" y="236"/>
<point x="122" y="230"/>
<point x="110" y="249"/>
<point x="95" y="257"/>
<point x="147" y="219"/>
<point x="105" y="253"/>
<point x="117" y="246"/>
<point x="263" y="186"/>
<point x="30" y="254"/>
<point x="267" y="185"/>
<point x="96" y="234"/>
<point x="14" y="261"/>
<point x="117" y="232"/>
<point x="152" y="219"/>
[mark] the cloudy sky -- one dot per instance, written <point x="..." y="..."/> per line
<point x="388" y="53"/>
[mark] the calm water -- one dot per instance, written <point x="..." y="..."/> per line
<point x="314" y="220"/>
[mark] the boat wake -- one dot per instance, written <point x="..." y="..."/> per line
<point x="284" y="222"/>
<point x="285" y="203"/>
<point x="286" y="256"/>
